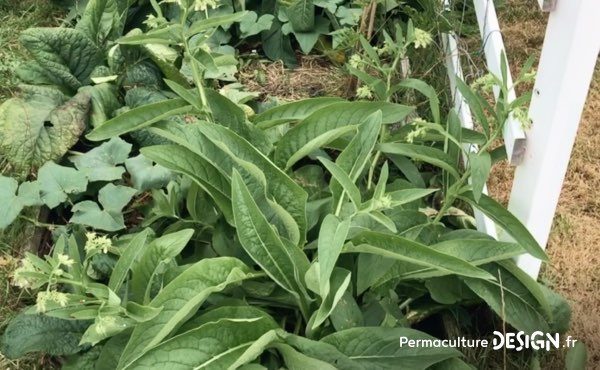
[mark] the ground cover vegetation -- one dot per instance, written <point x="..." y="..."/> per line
<point x="195" y="224"/>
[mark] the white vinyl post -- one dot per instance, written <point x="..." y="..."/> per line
<point x="484" y="223"/>
<point x="493" y="47"/>
<point x="570" y="51"/>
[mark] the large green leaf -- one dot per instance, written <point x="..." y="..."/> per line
<point x="377" y="348"/>
<point x="340" y="281"/>
<point x="229" y="114"/>
<point x="423" y="153"/>
<point x="285" y="264"/>
<point x="214" y="345"/>
<point x="225" y="150"/>
<point x="332" y="117"/>
<point x="295" y="360"/>
<point x="278" y="46"/>
<point x="102" y="20"/>
<point x="153" y="259"/>
<point x="127" y="259"/>
<point x="138" y="118"/>
<point x="111" y="352"/>
<point x="344" y="180"/>
<point x="510" y="299"/>
<point x="180" y="299"/>
<point x="182" y="160"/>
<point x="481" y="164"/>
<point x="166" y="35"/>
<point x="105" y="102"/>
<point x="475" y="251"/>
<point x="214" y="22"/>
<point x="41" y="128"/>
<point x="396" y="247"/>
<point x="293" y="111"/>
<point x="27" y="333"/>
<point x="332" y="237"/>
<point x="302" y="15"/>
<point x="307" y="40"/>
<point x="110" y="217"/>
<point x="353" y="159"/>
<point x="507" y="221"/>
<point x="66" y="55"/>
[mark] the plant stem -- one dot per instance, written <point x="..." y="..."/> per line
<point x="198" y="80"/>
<point x="390" y="75"/>
<point x="36" y="223"/>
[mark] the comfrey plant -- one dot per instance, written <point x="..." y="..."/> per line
<point x="312" y="234"/>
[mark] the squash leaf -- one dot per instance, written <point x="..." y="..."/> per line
<point x="110" y="218"/>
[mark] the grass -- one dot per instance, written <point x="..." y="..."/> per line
<point x="15" y="16"/>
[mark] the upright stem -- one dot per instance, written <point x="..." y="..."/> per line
<point x="196" y="73"/>
<point x="388" y="89"/>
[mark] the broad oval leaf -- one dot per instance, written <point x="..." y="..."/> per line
<point x="302" y="15"/>
<point x="332" y="236"/>
<point x="138" y="118"/>
<point x="396" y="247"/>
<point x="182" y="160"/>
<point x="294" y="111"/>
<point x="510" y="299"/>
<point x="66" y="55"/>
<point x="481" y="164"/>
<point x="285" y="264"/>
<point x="41" y="128"/>
<point x="224" y="149"/>
<point x="156" y="254"/>
<point x="423" y="153"/>
<point x="39" y="333"/>
<point x="215" y="345"/>
<point x="180" y="299"/>
<point x="378" y="348"/>
<point x="507" y="221"/>
<point x="332" y="117"/>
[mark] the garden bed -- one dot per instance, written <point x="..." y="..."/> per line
<point x="314" y="222"/>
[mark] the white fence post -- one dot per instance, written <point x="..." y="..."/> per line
<point x="493" y="46"/>
<point x="484" y="224"/>
<point x="565" y="71"/>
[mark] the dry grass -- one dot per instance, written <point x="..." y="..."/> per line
<point x="315" y="76"/>
<point x="574" y="268"/>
